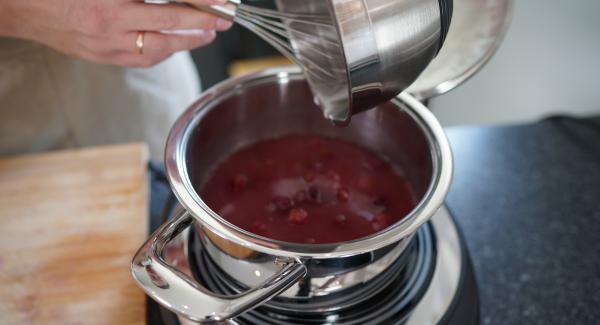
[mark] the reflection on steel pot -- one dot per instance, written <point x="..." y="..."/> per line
<point x="266" y="105"/>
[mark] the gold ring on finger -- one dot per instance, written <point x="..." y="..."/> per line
<point x="139" y="42"/>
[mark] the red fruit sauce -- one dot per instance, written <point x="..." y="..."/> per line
<point x="308" y="189"/>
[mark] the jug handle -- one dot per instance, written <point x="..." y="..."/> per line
<point x="181" y="294"/>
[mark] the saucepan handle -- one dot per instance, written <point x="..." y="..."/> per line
<point x="181" y="294"/>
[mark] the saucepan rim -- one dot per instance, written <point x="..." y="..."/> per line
<point x="176" y="169"/>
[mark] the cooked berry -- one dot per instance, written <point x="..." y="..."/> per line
<point x="333" y="176"/>
<point x="309" y="176"/>
<point x="310" y="240"/>
<point x="314" y="194"/>
<point x="300" y="197"/>
<point x="259" y="227"/>
<point x="239" y="182"/>
<point x="343" y="194"/>
<point x="340" y="219"/>
<point x="380" y="201"/>
<point x="380" y="221"/>
<point x="298" y="216"/>
<point x="281" y="203"/>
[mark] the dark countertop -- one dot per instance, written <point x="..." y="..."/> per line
<point x="527" y="199"/>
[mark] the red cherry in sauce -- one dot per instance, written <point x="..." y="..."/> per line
<point x="312" y="190"/>
<point x="298" y="216"/>
<point x="280" y="204"/>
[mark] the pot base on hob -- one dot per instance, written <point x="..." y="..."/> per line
<point x="432" y="282"/>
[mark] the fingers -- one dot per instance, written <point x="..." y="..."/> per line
<point x="169" y="43"/>
<point x="108" y="35"/>
<point x="159" y="46"/>
<point x="160" y="17"/>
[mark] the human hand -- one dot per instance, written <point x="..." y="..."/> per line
<point x="105" y="31"/>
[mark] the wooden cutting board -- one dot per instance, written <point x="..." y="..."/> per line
<point x="70" y="223"/>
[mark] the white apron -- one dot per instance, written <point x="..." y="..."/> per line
<point x="49" y="101"/>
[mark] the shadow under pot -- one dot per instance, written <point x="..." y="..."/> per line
<point x="268" y="105"/>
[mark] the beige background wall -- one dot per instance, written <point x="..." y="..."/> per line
<point x="548" y="64"/>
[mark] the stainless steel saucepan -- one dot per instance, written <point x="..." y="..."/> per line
<point x="265" y="105"/>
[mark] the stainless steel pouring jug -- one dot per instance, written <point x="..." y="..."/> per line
<point x="372" y="49"/>
<point x="269" y="104"/>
